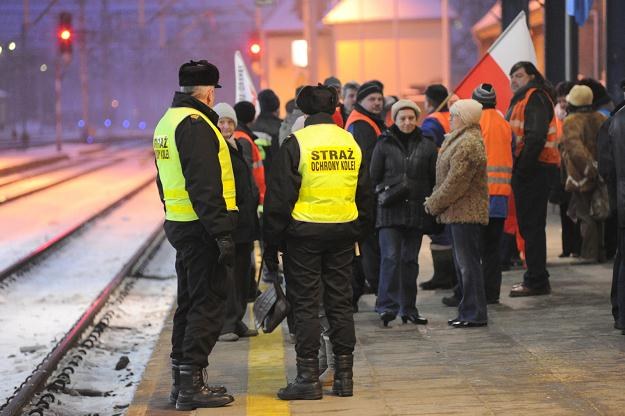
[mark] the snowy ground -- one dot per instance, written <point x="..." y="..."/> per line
<point x="31" y="221"/>
<point x="39" y="307"/>
<point x="132" y="333"/>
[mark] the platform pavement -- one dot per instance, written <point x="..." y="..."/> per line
<point x="547" y="355"/>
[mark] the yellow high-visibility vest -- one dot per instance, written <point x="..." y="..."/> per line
<point x="178" y="206"/>
<point x="329" y="163"/>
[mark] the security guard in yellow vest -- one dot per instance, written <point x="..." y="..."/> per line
<point x="196" y="185"/>
<point x="318" y="203"/>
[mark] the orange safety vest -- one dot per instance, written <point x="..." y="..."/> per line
<point x="338" y="117"/>
<point x="550" y="153"/>
<point x="258" y="170"/>
<point x="497" y="136"/>
<point x="443" y="118"/>
<point x="388" y="120"/>
<point x="356" y="116"/>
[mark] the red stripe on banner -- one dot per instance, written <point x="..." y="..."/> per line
<point x="487" y="71"/>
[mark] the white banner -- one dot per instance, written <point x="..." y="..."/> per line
<point x="245" y="90"/>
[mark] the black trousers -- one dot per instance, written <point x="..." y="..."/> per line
<point x="531" y="197"/>
<point x="238" y="287"/>
<point x="617" y="294"/>
<point x="491" y="264"/>
<point x="202" y="292"/>
<point x="571" y="234"/>
<point x="308" y="263"/>
<point x="370" y="257"/>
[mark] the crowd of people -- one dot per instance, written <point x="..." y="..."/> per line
<point x="346" y="187"/>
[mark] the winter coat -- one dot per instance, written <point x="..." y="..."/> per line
<point x="269" y="124"/>
<point x="611" y="155"/>
<point x="579" y="150"/>
<point x="391" y="160"/>
<point x="287" y="124"/>
<point x="247" y="198"/>
<point x="461" y="191"/>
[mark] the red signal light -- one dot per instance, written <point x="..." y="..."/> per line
<point x="255" y="48"/>
<point x="65" y="34"/>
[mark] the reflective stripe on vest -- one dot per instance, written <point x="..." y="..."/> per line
<point x="550" y="153"/>
<point x="258" y="169"/>
<point x="178" y="206"/>
<point x="497" y="135"/>
<point x="329" y="163"/>
<point x="355" y="115"/>
<point x="443" y="119"/>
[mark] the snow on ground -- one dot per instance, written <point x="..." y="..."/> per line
<point x="40" y="306"/>
<point x="31" y="221"/>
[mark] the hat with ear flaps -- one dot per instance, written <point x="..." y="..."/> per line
<point x="319" y="99"/>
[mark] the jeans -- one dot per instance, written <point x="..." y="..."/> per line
<point x="491" y="265"/>
<point x="399" y="268"/>
<point x="466" y="247"/>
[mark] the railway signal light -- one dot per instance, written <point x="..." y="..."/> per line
<point x="65" y="33"/>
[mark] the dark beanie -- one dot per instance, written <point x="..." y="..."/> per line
<point x="437" y="93"/>
<point x="245" y="112"/>
<point x="599" y="93"/>
<point x="485" y="95"/>
<point x="195" y="73"/>
<point x="319" y="99"/>
<point x="269" y="101"/>
<point x="368" y="88"/>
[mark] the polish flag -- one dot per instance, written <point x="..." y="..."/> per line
<point x="513" y="45"/>
<point x="244" y="86"/>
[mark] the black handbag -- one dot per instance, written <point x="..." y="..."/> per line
<point x="392" y="192"/>
<point x="271" y="307"/>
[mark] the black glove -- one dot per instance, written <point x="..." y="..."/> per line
<point x="226" y="250"/>
<point x="270" y="255"/>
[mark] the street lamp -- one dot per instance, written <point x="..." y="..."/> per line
<point x="12" y="46"/>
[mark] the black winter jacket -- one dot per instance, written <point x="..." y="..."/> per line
<point x="391" y="160"/>
<point x="611" y="158"/>
<point x="538" y="114"/>
<point x="198" y="147"/>
<point x="268" y="123"/>
<point x="283" y="191"/>
<point x="247" y="198"/>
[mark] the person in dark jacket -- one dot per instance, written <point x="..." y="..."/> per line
<point x="244" y="235"/>
<point x="402" y="157"/>
<point x="365" y="124"/>
<point x="611" y="151"/>
<point x="317" y="204"/>
<point x="196" y="185"/>
<point x="267" y="126"/>
<point x="532" y="118"/>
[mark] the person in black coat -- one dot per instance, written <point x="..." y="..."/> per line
<point x="246" y="232"/>
<point x="403" y="158"/>
<point x="611" y="158"/>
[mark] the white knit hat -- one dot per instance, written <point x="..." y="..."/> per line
<point x="225" y="110"/>
<point x="401" y="104"/>
<point x="469" y="111"/>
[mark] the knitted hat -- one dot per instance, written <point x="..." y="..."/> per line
<point x="269" y="101"/>
<point x="485" y="95"/>
<point x="224" y="110"/>
<point x="368" y="88"/>
<point x="195" y="73"/>
<point x="319" y="99"/>
<point x="437" y="93"/>
<point x="469" y="111"/>
<point x="332" y="82"/>
<point x="245" y="111"/>
<point x="579" y="96"/>
<point x="402" y="104"/>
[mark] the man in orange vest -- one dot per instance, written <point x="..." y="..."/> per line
<point x="365" y="124"/>
<point x="532" y="118"/>
<point x="245" y="112"/>
<point x="436" y="124"/>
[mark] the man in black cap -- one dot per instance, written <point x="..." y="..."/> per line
<point x="436" y="124"/>
<point x="365" y="124"/>
<point x="318" y="202"/>
<point x="196" y="185"/>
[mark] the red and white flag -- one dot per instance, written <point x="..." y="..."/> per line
<point x="513" y="45"/>
<point x="244" y="86"/>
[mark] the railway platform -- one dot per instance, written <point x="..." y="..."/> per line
<point x="545" y="355"/>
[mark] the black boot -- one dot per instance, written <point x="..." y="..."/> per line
<point x="444" y="271"/>
<point x="193" y="393"/>
<point x="343" y="375"/>
<point x="175" y="387"/>
<point x="306" y="386"/>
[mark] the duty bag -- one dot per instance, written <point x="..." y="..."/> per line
<point x="271" y="307"/>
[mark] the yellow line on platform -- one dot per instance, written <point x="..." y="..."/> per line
<point x="266" y="374"/>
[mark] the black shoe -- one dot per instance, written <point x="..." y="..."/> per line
<point x="175" y="387"/>
<point x="564" y="255"/>
<point x="243" y="331"/>
<point x="522" y="291"/>
<point x="467" y="324"/>
<point x="618" y="326"/>
<point x="451" y="321"/>
<point x="451" y="301"/>
<point x="343" y="385"/>
<point x="194" y="394"/>
<point x="306" y="385"/>
<point x="433" y="284"/>
<point x="387" y="317"/>
<point x="415" y="318"/>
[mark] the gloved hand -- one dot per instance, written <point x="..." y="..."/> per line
<point x="270" y="254"/>
<point x="226" y="250"/>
